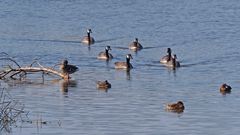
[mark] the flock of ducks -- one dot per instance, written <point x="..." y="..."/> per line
<point x="168" y="60"/>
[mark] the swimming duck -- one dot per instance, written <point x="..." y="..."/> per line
<point x="167" y="57"/>
<point x="67" y="69"/>
<point x="88" y="39"/>
<point x="135" y="45"/>
<point x="103" y="84"/>
<point x="173" y="63"/>
<point x="225" y="88"/>
<point x="124" y="65"/>
<point x="105" y="55"/>
<point x="175" y="107"/>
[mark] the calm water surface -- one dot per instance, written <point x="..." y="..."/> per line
<point x="204" y="35"/>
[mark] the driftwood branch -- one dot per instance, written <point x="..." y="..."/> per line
<point x="19" y="70"/>
<point x="44" y="70"/>
<point x="10" y="59"/>
<point x="39" y="69"/>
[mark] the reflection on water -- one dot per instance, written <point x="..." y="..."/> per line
<point x="135" y="52"/>
<point x="128" y="74"/>
<point x="25" y="81"/>
<point x="65" y="84"/>
<point x="225" y="92"/>
<point x="89" y="48"/>
<point x="103" y="89"/>
<point x="172" y="70"/>
<point x="178" y="112"/>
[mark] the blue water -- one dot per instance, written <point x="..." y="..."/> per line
<point x="204" y="35"/>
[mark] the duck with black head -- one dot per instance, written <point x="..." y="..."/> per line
<point x="103" y="84"/>
<point x="67" y="69"/>
<point x="225" y="88"/>
<point x="88" y="39"/>
<point x="175" y="107"/>
<point x="105" y="55"/>
<point x="135" y="45"/>
<point x="167" y="57"/>
<point x="124" y="65"/>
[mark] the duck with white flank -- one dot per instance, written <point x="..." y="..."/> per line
<point x="88" y="39"/>
<point x="167" y="57"/>
<point x="105" y="55"/>
<point x="135" y="45"/>
<point x="124" y="65"/>
<point x="173" y="63"/>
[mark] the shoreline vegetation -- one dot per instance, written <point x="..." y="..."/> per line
<point x="11" y="111"/>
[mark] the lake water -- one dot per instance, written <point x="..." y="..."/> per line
<point x="204" y="34"/>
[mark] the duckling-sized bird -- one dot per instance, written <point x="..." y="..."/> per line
<point x="103" y="85"/>
<point x="88" y="39"/>
<point x="175" y="107"/>
<point x="167" y="57"/>
<point x="105" y="55"/>
<point x="135" y="45"/>
<point x="67" y="69"/>
<point x="173" y="63"/>
<point x="225" y="88"/>
<point x="124" y="65"/>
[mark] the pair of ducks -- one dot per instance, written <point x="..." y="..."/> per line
<point x="70" y="69"/>
<point x="118" y="65"/>
<point x="170" y="61"/>
<point x="135" y="45"/>
<point x="179" y="106"/>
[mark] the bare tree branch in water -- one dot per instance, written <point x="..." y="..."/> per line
<point x="19" y="72"/>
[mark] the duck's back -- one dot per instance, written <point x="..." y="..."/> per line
<point x="135" y="46"/>
<point x="165" y="59"/>
<point x="103" y="56"/>
<point x="122" y="65"/>
<point x="86" y="40"/>
<point x="70" y="69"/>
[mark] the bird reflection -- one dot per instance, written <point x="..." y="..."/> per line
<point x="172" y="70"/>
<point x="128" y="74"/>
<point x="65" y="84"/>
<point x="225" y="92"/>
<point x="107" y="63"/>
